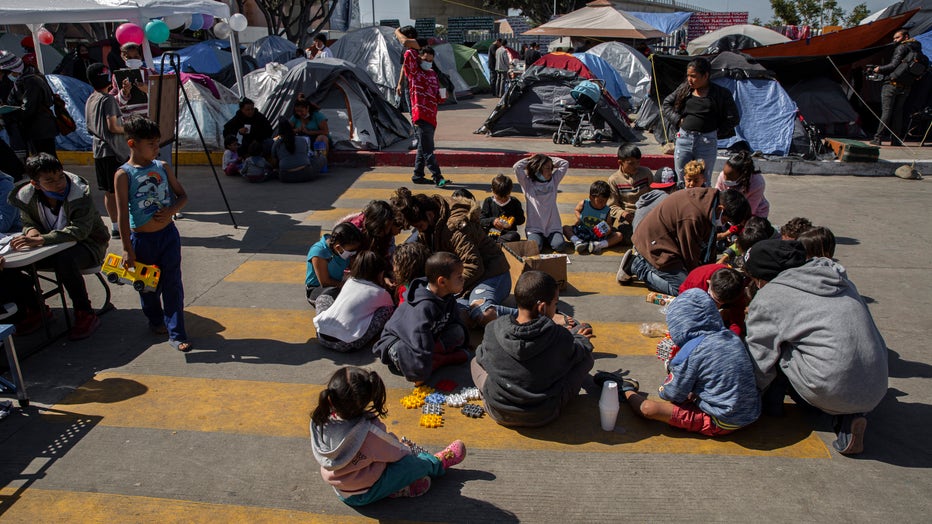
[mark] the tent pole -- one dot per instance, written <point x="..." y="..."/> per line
<point x="237" y="64"/>
<point x="34" y="29"/>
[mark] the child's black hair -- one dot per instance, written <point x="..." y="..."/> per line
<point x="245" y="101"/>
<point x="792" y="229"/>
<point x="533" y="287"/>
<point x="736" y="207"/>
<point x="441" y="264"/>
<point x="351" y="393"/>
<point x="413" y="208"/>
<point x="286" y="134"/>
<point x="229" y="140"/>
<point x="463" y="193"/>
<point x="819" y="241"/>
<point x="376" y="215"/>
<point x="755" y="230"/>
<point x="345" y="234"/>
<point x="628" y="151"/>
<point x="410" y="261"/>
<point x="426" y="50"/>
<point x="502" y="185"/>
<point x="537" y="163"/>
<point x="255" y="148"/>
<point x="600" y="188"/>
<point x="727" y="284"/>
<point x="126" y="48"/>
<point x="743" y="164"/>
<point x="42" y="163"/>
<point x="321" y="38"/>
<point x="408" y="31"/>
<point x="368" y="265"/>
<point x="138" y="127"/>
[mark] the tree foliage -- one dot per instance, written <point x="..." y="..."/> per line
<point x="296" y="20"/>
<point x="538" y="11"/>
<point x="815" y="13"/>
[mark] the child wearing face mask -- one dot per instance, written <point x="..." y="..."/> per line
<point x="133" y="97"/>
<point x="739" y="174"/>
<point x="327" y="259"/>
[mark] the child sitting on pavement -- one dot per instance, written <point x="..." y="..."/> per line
<point x="710" y="387"/>
<point x="539" y="177"/>
<point x="501" y="214"/>
<point x="255" y="167"/>
<point x="231" y="160"/>
<point x="694" y="174"/>
<point x="357" y="455"/>
<point x="327" y="259"/>
<point x="426" y="331"/>
<point x="528" y="367"/>
<point x="754" y="230"/>
<point x="628" y="184"/>
<point x="728" y="289"/>
<point x="819" y="241"/>
<point x="795" y="226"/>
<point x="591" y="232"/>
<point x="409" y="262"/>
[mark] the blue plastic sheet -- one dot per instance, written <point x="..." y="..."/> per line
<point x="207" y="58"/>
<point x="768" y="115"/>
<point x="75" y="94"/>
<point x="666" y="22"/>
<point x="614" y="83"/>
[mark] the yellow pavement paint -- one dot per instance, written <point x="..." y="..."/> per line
<point x="581" y="283"/>
<point x="233" y="323"/>
<point x="243" y="407"/>
<point x="329" y="217"/>
<point x="483" y="180"/>
<point x="384" y="193"/>
<point x="269" y="271"/>
<point x="39" y="505"/>
<point x="622" y="339"/>
<point x="185" y="158"/>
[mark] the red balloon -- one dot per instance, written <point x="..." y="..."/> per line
<point x="46" y="37"/>
<point x="127" y="33"/>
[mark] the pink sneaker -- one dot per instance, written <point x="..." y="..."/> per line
<point x="414" y="489"/>
<point x="452" y="454"/>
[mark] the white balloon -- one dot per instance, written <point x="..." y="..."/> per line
<point x="238" y="22"/>
<point x="222" y="30"/>
<point x="176" y="21"/>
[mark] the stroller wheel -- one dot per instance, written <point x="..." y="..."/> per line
<point x="556" y="138"/>
<point x="598" y="137"/>
<point x="577" y="141"/>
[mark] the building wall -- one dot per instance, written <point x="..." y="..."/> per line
<point x="442" y="10"/>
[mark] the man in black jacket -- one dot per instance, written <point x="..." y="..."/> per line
<point x="250" y="125"/>
<point x="896" y="89"/>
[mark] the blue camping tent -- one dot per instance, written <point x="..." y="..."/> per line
<point x="208" y="57"/>
<point x="75" y="94"/>
<point x="666" y="22"/>
<point x="614" y="83"/>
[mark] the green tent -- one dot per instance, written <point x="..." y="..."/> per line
<point x="469" y="67"/>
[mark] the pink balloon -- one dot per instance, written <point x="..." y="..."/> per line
<point x="46" y="37"/>
<point x="208" y="21"/>
<point x="127" y="33"/>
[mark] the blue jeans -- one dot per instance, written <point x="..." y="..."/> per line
<point x="398" y="475"/>
<point x="693" y="145"/>
<point x="554" y="240"/>
<point x="657" y="280"/>
<point x="165" y="305"/>
<point x="494" y="290"/>
<point x="425" y="150"/>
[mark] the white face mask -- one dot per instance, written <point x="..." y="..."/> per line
<point x="347" y="254"/>
<point x="730" y="183"/>
<point x="133" y="63"/>
<point x="14" y="76"/>
<point x="425" y="65"/>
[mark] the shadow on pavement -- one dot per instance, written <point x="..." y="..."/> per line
<point x="106" y="391"/>
<point x="898" y="432"/>
<point x="902" y="368"/>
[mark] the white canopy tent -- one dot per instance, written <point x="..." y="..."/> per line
<point x="34" y="13"/>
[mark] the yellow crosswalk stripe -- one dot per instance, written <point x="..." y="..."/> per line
<point x="40" y="505"/>
<point x="166" y="405"/>
<point x="384" y="193"/>
<point x="484" y="181"/>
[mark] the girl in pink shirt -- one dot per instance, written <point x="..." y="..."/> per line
<point x="357" y="455"/>
<point x="739" y="173"/>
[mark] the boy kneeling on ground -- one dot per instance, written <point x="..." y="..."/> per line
<point x="710" y="386"/>
<point x="528" y="367"/>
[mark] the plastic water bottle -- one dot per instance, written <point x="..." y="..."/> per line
<point x="653" y="329"/>
<point x="609" y="405"/>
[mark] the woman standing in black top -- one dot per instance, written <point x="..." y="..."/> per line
<point x="702" y="113"/>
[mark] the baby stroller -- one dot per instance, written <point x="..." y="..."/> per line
<point x="576" y="121"/>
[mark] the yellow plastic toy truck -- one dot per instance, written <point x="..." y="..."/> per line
<point x="144" y="278"/>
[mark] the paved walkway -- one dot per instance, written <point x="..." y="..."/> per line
<point x="126" y="429"/>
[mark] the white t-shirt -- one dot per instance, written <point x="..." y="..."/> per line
<point x="351" y="313"/>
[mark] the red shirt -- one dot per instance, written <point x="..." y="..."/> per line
<point x="424" y="89"/>
<point x="732" y="316"/>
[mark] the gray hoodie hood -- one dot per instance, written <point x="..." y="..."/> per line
<point x="823" y="277"/>
<point x="336" y="446"/>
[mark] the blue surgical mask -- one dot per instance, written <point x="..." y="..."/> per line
<point x="59" y="196"/>
<point x="14" y="76"/>
<point x="425" y="65"/>
<point x="540" y="178"/>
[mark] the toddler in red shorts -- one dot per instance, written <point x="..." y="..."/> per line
<point x="710" y="386"/>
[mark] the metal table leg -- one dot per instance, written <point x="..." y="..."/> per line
<point x="6" y="333"/>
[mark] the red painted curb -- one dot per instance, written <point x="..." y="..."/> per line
<point x="484" y="159"/>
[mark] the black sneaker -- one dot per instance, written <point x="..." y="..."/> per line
<point x="624" y="276"/>
<point x="115" y="234"/>
<point x="624" y="383"/>
<point x="421" y="180"/>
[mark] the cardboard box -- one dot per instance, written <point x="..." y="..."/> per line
<point x="523" y="255"/>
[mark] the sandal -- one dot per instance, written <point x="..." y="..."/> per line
<point x="181" y="345"/>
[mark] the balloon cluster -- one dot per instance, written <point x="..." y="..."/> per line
<point x="157" y="30"/>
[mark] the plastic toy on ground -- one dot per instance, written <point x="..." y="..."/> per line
<point x="432" y="409"/>
<point x="435" y="398"/>
<point x="415" y="449"/>
<point x="143" y="278"/>
<point x="473" y="410"/>
<point x="422" y="391"/>
<point x="456" y="400"/>
<point x="431" y="421"/>
<point x="412" y="401"/>
<point x="471" y="393"/>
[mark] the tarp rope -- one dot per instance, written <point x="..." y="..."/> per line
<point x="909" y="149"/>
<point x="663" y="124"/>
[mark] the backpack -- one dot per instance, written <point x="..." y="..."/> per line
<point x="66" y="124"/>
<point x="912" y="68"/>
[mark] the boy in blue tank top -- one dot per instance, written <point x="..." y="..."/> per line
<point x="591" y="232"/>
<point x="148" y="196"/>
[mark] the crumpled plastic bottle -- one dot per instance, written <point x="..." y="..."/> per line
<point x="653" y="329"/>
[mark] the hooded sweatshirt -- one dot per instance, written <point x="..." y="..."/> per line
<point x="457" y="230"/>
<point x="676" y="234"/>
<point x="717" y="371"/>
<point x="416" y="325"/>
<point x="353" y="453"/>
<point x="646" y="203"/>
<point x="812" y="323"/>
<point x="528" y="366"/>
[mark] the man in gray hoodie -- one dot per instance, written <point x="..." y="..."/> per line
<point x="811" y="335"/>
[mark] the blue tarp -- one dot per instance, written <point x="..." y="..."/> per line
<point x="602" y="70"/>
<point x="75" y="93"/>
<point x="926" y="40"/>
<point x="208" y="57"/>
<point x="666" y="22"/>
<point x="768" y="115"/>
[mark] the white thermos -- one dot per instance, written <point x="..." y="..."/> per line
<point x="608" y="405"/>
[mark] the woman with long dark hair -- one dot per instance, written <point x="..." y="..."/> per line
<point x="702" y="113"/>
<point x="291" y="155"/>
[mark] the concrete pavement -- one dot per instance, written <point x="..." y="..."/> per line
<point x="126" y="429"/>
